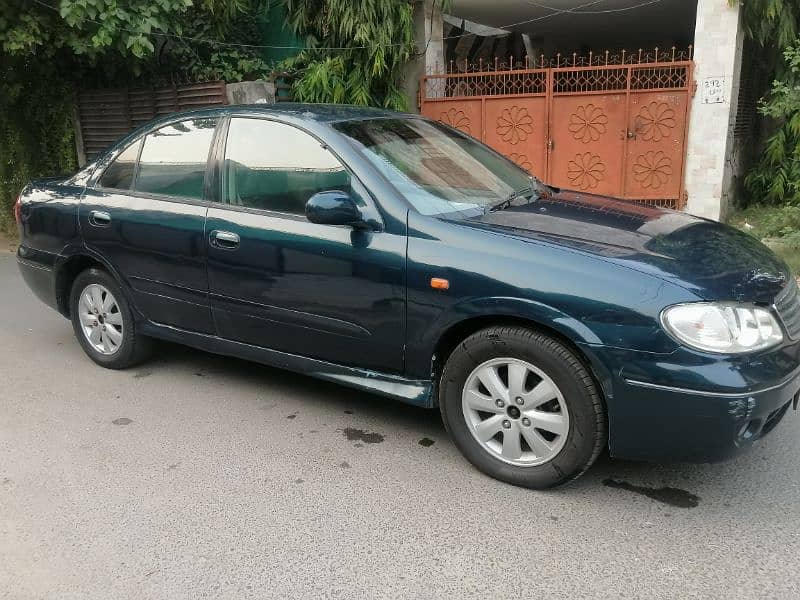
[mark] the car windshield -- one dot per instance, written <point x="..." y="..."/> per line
<point x="438" y="169"/>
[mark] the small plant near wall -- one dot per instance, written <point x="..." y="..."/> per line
<point x="776" y="177"/>
<point x="775" y="26"/>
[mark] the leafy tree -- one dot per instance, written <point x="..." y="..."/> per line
<point x="200" y="61"/>
<point x="775" y="26"/>
<point x="123" y="36"/>
<point x="776" y="176"/>
<point x="47" y="47"/>
<point x="87" y="28"/>
<point x="772" y="23"/>
<point x="356" y="50"/>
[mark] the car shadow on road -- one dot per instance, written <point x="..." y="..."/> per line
<point x="671" y="484"/>
<point x="301" y="387"/>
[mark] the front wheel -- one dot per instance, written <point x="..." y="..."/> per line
<point x="103" y="321"/>
<point x="522" y="408"/>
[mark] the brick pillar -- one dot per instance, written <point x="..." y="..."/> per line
<point x="718" y="42"/>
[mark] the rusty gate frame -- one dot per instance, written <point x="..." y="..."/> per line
<point x="514" y="79"/>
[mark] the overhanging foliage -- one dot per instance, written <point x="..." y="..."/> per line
<point x="775" y="25"/>
<point x="357" y="50"/>
<point x="48" y="47"/>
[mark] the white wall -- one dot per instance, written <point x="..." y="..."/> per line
<point x="717" y="54"/>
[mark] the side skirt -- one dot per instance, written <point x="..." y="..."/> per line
<point x="411" y="391"/>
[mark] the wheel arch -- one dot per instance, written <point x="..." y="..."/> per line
<point x="68" y="267"/>
<point x="461" y="330"/>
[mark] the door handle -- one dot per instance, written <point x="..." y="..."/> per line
<point x="225" y="240"/>
<point x="99" y="218"/>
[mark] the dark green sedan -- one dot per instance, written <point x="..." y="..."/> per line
<point x="394" y="254"/>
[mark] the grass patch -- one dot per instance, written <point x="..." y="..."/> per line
<point x="778" y="227"/>
<point x="788" y="252"/>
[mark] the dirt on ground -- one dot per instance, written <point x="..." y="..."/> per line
<point x="7" y="244"/>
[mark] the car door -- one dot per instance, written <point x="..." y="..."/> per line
<point x="146" y="215"/>
<point x="278" y="281"/>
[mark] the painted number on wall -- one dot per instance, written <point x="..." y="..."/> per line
<point x="713" y="90"/>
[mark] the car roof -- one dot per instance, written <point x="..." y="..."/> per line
<point x="324" y="114"/>
<point x="321" y="113"/>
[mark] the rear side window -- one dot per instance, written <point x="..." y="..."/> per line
<point x="174" y="159"/>
<point x="119" y="174"/>
<point x="277" y="167"/>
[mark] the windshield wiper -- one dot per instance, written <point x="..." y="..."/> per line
<point x="506" y="202"/>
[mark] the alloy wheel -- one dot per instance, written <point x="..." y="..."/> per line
<point x="101" y="319"/>
<point x="515" y="411"/>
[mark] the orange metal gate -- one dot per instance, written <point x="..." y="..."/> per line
<point x="615" y="127"/>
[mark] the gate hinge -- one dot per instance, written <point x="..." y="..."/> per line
<point x="694" y="88"/>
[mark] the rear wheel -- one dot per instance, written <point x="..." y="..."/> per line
<point x="522" y="408"/>
<point x="103" y="321"/>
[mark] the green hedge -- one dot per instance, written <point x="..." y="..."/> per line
<point x="36" y="134"/>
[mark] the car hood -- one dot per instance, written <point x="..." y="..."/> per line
<point x="712" y="260"/>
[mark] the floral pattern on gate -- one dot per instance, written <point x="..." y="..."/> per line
<point x="587" y="123"/>
<point x="514" y="124"/>
<point x="521" y="160"/>
<point x="457" y="119"/>
<point x="586" y="170"/>
<point x="652" y="169"/>
<point x="655" y="120"/>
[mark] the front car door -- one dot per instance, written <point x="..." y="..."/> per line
<point x="145" y="216"/>
<point x="280" y="282"/>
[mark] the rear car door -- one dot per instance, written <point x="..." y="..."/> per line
<point x="145" y="216"/>
<point x="280" y="282"/>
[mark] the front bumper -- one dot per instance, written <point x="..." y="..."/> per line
<point x="692" y="425"/>
<point x="688" y="406"/>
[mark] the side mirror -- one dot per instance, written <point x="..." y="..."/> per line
<point x="334" y="208"/>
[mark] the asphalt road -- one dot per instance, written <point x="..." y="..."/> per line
<point x="196" y="476"/>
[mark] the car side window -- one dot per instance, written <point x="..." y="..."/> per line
<point x="274" y="166"/>
<point x="119" y="174"/>
<point x="174" y="159"/>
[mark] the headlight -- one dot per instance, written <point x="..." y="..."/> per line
<point x="724" y="327"/>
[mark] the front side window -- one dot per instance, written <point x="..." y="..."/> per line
<point x="277" y="167"/>
<point x="437" y="169"/>
<point x="119" y="174"/>
<point x="174" y="159"/>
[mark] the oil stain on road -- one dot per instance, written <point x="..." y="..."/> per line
<point x="359" y="435"/>
<point x="668" y="495"/>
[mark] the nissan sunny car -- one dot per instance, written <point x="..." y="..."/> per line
<point x="397" y="255"/>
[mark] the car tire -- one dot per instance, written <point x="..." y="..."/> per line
<point x="522" y="407"/>
<point x="108" y="336"/>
